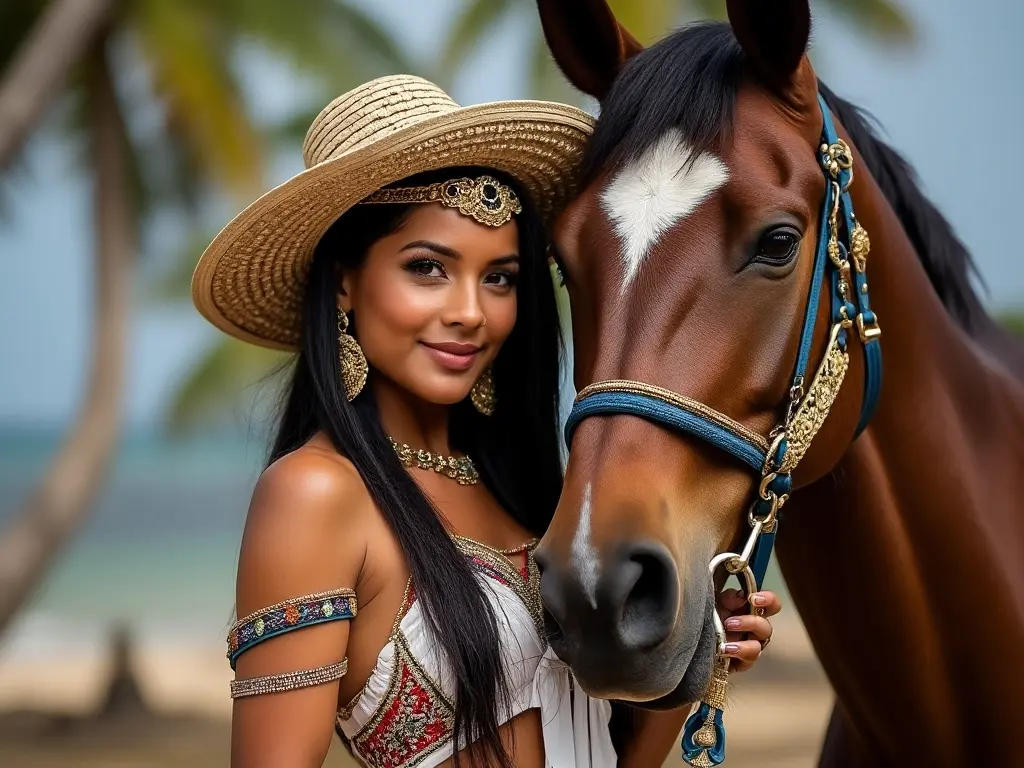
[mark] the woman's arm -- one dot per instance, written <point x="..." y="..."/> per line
<point x="656" y="734"/>
<point x="305" y="534"/>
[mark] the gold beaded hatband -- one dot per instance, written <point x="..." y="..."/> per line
<point x="484" y="199"/>
<point x="250" y="282"/>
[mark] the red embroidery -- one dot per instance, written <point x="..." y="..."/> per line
<point x="413" y="721"/>
<point x="414" y="718"/>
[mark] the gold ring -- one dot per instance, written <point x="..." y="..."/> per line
<point x="765" y="643"/>
<point x="759" y="611"/>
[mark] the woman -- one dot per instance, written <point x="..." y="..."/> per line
<point x="417" y="458"/>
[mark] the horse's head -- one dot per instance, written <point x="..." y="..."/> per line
<point x="688" y="257"/>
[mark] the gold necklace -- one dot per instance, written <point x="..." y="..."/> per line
<point x="459" y="468"/>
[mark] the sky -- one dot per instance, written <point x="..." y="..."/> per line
<point x="952" y="105"/>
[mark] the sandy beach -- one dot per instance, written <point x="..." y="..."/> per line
<point x="776" y="719"/>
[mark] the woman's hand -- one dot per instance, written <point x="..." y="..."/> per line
<point x="746" y="634"/>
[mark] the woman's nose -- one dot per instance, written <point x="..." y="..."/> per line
<point x="464" y="308"/>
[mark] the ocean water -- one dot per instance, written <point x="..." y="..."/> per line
<point x="157" y="553"/>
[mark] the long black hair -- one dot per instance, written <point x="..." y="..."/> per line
<point x="515" y="449"/>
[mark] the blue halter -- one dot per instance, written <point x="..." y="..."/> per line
<point x="840" y="259"/>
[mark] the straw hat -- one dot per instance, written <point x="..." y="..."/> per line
<point x="250" y="281"/>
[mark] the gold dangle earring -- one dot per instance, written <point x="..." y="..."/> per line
<point x="353" y="362"/>
<point x="482" y="393"/>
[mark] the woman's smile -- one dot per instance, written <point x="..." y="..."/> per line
<point x="452" y="355"/>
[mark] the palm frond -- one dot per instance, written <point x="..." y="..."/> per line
<point x="205" y="110"/>
<point x="335" y="41"/>
<point x="230" y="371"/>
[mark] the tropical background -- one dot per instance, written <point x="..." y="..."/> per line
<point x="131" y="433"/>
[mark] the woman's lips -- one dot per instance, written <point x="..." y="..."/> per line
<point x="453" y="356"/>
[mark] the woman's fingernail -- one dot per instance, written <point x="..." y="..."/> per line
<point x="760" y="599"/>
<point x="732" y="623"/>
<point x="730" y="649"/>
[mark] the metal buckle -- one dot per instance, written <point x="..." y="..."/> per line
<point x="868" y="332"/>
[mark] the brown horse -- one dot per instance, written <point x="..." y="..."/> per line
<point x="688" y="259"/>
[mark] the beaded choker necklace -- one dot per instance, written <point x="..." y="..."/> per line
<point x="460" y="469"/>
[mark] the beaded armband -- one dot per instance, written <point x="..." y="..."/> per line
<point x="287" y="616"/>
<point x="288" y="681"/>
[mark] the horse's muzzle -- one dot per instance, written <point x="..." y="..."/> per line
<point x="611" y="624"/>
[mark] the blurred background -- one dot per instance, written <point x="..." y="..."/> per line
<point x="131" y="433"/>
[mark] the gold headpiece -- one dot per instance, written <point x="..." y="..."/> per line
<point x="484" y="198"/>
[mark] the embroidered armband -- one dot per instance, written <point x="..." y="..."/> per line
<point x="288" y="681"/>
<point x="287" y="616"/>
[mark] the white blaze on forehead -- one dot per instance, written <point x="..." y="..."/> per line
<point x="584" y="556"/>
<point x="654" y="192"/>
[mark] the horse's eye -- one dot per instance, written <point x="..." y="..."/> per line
<point x="777" y="247"/>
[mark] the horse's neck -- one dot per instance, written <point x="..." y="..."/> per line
<point x="906" y="562"/>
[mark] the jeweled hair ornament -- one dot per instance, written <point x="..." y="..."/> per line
<point x="484" y="198"/>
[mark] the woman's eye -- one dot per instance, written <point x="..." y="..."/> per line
<point x="501" y="279"/>
<point x="777" y="246"/>
<point x="426" y="268"/>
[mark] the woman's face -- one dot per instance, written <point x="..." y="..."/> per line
<point x="434" y="301"/>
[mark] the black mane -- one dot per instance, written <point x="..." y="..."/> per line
<point x="690" y="80"/>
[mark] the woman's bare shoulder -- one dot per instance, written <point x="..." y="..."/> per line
<point x="316" y="482"/>
<point x="307" y="530"/>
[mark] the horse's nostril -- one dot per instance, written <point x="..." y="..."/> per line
<point x="649" y="610"/>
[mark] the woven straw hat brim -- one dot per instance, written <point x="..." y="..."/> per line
<point x="250" y="281"/>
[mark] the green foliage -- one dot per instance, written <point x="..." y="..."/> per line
<point x="229" y="369"/>
<point x="178" y="60"/>
<point x="1013" y="321"/>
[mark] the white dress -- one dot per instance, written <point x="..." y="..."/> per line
<point x="403" y="716"/>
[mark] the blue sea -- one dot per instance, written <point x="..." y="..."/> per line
<point x="158" y="550"/>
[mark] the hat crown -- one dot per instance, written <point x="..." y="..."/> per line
<point x="369" y="113"/>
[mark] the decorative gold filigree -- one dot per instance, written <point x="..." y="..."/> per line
<point x="482" y="394"/>
<point x="860" y="246"/>
<point x="836" y="157"/>
<point x="485" y="199"/>
<point x="354" y="368"/>
<point x="459" y="468"/>
<point x="814" y="408"/>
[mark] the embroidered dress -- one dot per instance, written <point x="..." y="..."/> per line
<point x="403" y="716"/>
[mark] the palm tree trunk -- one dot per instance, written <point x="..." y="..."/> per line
<point x="34" y="76"/>
<point x="58" y="506"/>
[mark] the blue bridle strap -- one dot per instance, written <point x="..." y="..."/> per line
<point x="660" y="412"/>
<point x="866" y="318"/>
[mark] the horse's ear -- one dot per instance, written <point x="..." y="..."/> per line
<point x="588" y="43"/>
<point x="774" y="37"/>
